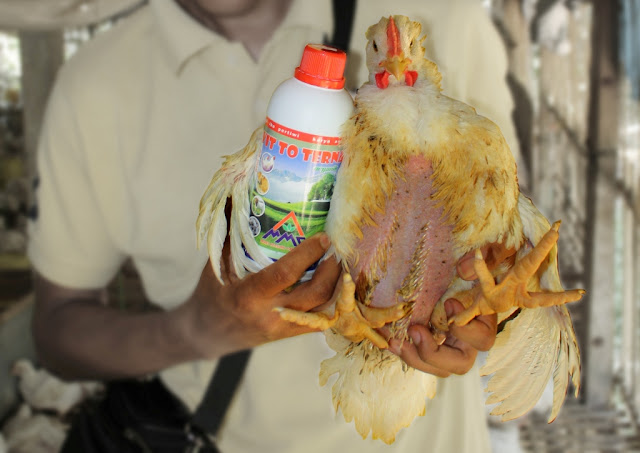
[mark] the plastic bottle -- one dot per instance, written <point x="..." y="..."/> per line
<point x="301" y="152"/>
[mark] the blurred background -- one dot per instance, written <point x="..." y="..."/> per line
<point x="575" y="77"/>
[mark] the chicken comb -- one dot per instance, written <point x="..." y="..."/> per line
<point x="393" y="38"/>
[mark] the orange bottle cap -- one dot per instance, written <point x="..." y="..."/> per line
<point x="322" y="66"/>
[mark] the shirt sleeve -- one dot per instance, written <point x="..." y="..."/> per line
<point x="69" y="243"/>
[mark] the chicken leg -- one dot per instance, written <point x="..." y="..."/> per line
<point x="350" y="319"/>
<point x="512" y="290"/>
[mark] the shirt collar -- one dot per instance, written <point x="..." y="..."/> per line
<point x="184" y="37"/>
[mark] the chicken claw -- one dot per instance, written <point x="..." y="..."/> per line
<point x="352" y="320"/>
<point x="512" y="290"/>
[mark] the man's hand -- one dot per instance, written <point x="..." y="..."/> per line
<point x="78" y="337"/>
<point x="458" y="353"/>
<point x="493" y="254"/>
<point x="239" y="314"/>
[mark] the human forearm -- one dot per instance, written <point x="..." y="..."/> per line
<point x="80" y="338"/>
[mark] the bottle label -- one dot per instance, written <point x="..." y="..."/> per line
<point x="290" y="195"/>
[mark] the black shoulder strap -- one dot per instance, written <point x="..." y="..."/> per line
<point x="217" y="398"/>
<point x="343" y="14"/>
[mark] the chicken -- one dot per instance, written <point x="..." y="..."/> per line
<point x="424" y="181"/>
<point x="28" y="432"/>
<point x="43" y="391"/>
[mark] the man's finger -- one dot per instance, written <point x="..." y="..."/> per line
<point x="465" y="264"/>
<point x="409" y="354"/>
<point x="456" y="360"/>
<point x="480" y="333"/>
<point x="285" y="272"/>
<point x="493" y="254"/>
<point x="426" y="355"/>
<point x="317" y="291"/>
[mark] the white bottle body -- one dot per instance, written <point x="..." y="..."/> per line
<point x="308" y="108"/>
<point x="297" y="165"/>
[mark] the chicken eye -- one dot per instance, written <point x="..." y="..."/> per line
<point x="375" y="46"/>
<point x="411" y="44"/>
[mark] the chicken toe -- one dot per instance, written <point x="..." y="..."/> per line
<point x="512" y="290"/>
<point x="350" y="319"/>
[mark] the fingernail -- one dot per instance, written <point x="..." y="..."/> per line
<point x="448" y="308"/>
<point x="465" y="269"/>
<point x="416" y="337"/>
<point x="325" y="242"/>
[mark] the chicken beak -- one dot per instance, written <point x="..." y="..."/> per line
<point x="396" y="65"/>
<point x="395" y="62"/>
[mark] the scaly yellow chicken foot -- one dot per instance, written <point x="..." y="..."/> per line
<point x="512" y="290"/>
<point x="352" y="320"/>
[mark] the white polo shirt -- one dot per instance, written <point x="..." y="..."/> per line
<point x="135" y="128"/>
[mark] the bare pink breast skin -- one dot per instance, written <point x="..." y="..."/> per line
<point x="414" y="242"/>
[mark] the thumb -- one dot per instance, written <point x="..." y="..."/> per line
<point x="287" y="270"/>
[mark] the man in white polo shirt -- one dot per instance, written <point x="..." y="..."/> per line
<point x="135" y="127"/>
